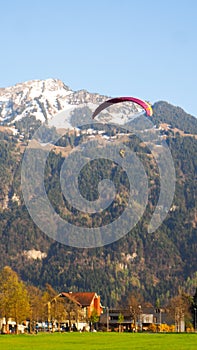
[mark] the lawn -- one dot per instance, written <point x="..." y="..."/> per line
<point x="97" y="341"/>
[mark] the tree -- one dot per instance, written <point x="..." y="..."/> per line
<point x="134" y="303"/>
<point x="36" y="306"/>
<point x="120" y="320"/>
<point x="195" y="299"/>
<point x="60" y="308"/>
<point x="47" y="299"/>
<point x="194" y="310"/>
<point x="58" y="312"/>
<point x="94" y="318"/>
<point x="179" y="308"/>
<point x="14" y="300"/>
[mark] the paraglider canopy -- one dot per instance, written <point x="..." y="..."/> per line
<point x="145" y="105"/>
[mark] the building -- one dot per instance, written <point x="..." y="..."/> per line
<point x="147" y="319"/>
<point x="80" y="308"/>
<point x="114" y="319"/>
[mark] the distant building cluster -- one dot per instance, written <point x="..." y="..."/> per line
<point x="83" y="311"/>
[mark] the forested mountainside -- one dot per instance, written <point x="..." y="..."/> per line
<point x="154" y="264"/>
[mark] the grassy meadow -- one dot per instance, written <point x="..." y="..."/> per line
<point x="97" y="341"/>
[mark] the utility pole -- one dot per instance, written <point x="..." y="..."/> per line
<point x="160" y="318"/>
<point x="49" y="313"/>
<point x="107" y="319"/>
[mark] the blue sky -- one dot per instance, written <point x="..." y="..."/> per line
<point x="141" y="48"/>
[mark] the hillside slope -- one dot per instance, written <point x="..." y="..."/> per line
<point x="155" y="264"/>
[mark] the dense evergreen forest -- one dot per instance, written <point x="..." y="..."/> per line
<point x="156" y="265"/>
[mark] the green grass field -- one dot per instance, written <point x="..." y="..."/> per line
<point x="97" y="341"/>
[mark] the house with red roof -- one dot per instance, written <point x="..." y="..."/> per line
<point x="80" y="306"/>
<point x="89" y="301"/>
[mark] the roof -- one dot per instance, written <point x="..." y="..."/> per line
<point x="70" y="297"/>
<point x="81" y="298"/>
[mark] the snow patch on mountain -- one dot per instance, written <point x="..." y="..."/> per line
<point x="45" y="99"/>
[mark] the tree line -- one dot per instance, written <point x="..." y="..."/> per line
<point x="21" y="303"/>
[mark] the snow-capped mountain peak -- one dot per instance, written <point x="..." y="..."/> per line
<point x="41" y="98"/>
<point x="46" y="98"/>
